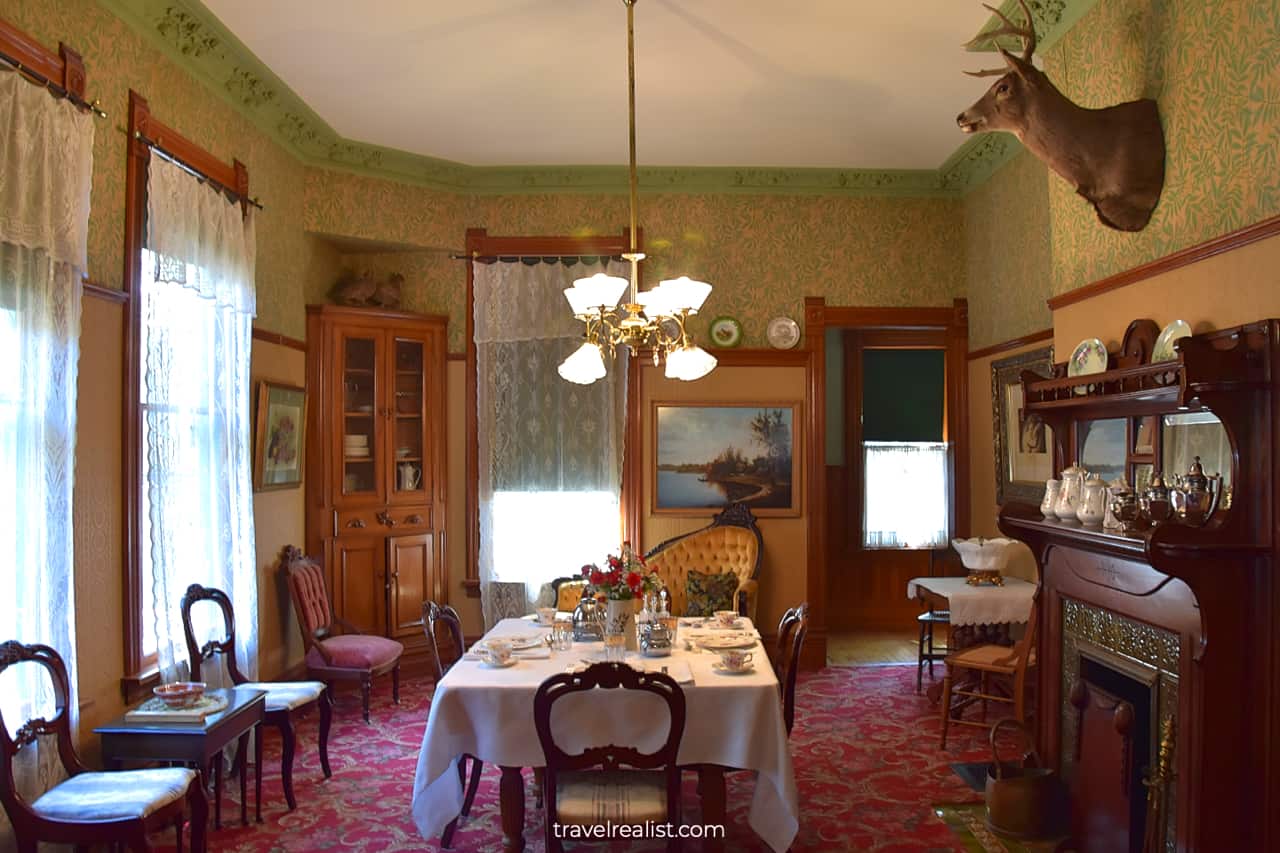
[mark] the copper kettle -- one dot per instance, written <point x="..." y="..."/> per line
<point x="1024" y="800"/>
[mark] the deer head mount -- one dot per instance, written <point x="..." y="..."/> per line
<point x="1114" y="156"/>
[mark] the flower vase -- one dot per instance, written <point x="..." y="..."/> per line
<point x="620" y="615"/>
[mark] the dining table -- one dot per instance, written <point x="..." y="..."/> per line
<point x="733" y="721"/>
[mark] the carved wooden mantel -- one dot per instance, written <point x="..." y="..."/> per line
<point x="1212" y="588"/>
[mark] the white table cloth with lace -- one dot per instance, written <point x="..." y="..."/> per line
<point x="731" y="720"/>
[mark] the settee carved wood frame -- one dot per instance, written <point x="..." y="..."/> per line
<point x="734" y="515"/>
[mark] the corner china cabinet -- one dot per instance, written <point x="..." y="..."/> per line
<point x="1159" y="660"/>
<point x="376" y="463"/>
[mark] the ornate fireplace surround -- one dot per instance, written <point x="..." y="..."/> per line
<point x="1185" y="611"/>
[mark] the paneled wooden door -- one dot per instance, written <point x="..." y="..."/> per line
<point x="412" y="579"/>
<point x="360" y="582"/>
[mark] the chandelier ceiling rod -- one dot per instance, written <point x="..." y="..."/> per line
<point x="631" y="125"/>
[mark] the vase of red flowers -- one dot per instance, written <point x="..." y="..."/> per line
<point x="621" y="585"/>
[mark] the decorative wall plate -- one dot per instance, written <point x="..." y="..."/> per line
<point x="1090" y="356"/>
<point x="783" y="333"/>
<point x="1163" y="350"/>
<point x="725" y="332"/>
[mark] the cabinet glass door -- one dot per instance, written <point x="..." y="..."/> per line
<point x="411" y="472"/>
<point x="360" y="448"/>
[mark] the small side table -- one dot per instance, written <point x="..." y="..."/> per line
<point x="195" y="744"/>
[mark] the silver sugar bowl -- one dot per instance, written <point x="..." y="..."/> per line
<point x="655" y="639"/>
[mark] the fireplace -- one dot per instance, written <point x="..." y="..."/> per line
<point x="1119" y="686"/>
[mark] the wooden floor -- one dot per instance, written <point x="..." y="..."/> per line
<point x="859" y="648"/>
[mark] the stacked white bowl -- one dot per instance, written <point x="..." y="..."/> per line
<point x="355" y="445"/>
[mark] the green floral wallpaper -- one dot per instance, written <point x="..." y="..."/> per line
<point x="1006" y="232"/>
<point x="117" y="60"/>
<point x="1215" y="70"/>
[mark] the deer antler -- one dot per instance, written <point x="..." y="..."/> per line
<point x="1027" y="34"/>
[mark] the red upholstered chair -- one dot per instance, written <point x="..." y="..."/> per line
<point x="434" y="615"/>
<point x="120" y="807"/>
<point x="286" y="700"/>
<point x="331" y="656"/>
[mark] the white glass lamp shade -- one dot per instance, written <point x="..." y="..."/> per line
<point x="600" y="290"/>
<point x="580" y="302"/>
<point x="584" y="366"/>
<point x="655" y="302"/>
<point x="689" y="363"/>
<point x="684" y="293"/>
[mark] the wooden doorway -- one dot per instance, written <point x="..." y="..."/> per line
<point x="865" y="589"/>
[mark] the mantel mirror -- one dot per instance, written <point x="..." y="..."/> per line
<point x="1186" y="435"/>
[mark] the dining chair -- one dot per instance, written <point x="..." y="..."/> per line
<point x="332" y="656"/>
<point x="796" y="631"/>
<point x="782" y="643"/>
<point x="591" y="788"/>
<point x="286" y="700"/>
<point x="117" y="807"/>
<point x="1013" y="662"/>
<point x="434" y="615"/>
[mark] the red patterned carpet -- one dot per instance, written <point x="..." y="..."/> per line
<point x="864" y="746"/>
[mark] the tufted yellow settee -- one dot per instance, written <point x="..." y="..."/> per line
<point x="731" y="543"/>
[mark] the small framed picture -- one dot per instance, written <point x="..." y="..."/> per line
<point x="279" y="445"/>
<point x="709" y="455"/>
<point x="1023" y="442"/>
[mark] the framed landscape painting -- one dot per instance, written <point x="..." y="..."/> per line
<point x="709" y="455"/>
<point x="278" y="449"/>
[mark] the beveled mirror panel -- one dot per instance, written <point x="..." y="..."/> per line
<point x="1186" y="435"/>
<point x="1104" y="447"/>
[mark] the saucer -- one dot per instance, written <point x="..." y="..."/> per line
<point x="518" y="642"/>
<point x="724" y="670"/>
<point x="717" y="644"/>
<point x="720" y="626"/>
<point x="510" y="662"/>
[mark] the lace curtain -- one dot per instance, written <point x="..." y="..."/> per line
<point x="46" y="164"/>
<point x="550" y="451"/>
<point x="905" y="498"/>
<point x="197" y="306"/>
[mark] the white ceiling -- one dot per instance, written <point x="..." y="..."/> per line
<point x="836" y="83"/>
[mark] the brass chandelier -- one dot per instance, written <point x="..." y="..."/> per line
<point x="657" y="317"/>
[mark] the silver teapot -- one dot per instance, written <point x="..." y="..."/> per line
<point x="655" y="639"/>
<point x="588" y="620"/>
<point x="1194" y="496"/>
<point x="1154" y="501"/>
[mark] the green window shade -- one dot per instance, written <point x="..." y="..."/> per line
<point x="902" y="394"/>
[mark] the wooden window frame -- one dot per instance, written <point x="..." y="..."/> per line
<point x="856" y="341"/>
<point x="145" y="131"/>
<point x="480" y="244"/>
<point x="63" y="69"/>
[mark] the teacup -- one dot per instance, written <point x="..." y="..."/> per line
<point x="735" y="659"/>
<point x="546" y="615"/>
<point x="496" y="652"/>
<point x="727" y="618"/>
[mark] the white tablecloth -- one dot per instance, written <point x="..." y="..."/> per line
<point x="731" y="720"/>
<point x="980" y="605"/>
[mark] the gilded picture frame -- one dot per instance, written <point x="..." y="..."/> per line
<point x="707" y="455"/>
<point x="279" y="436"/>
<point x="1023" y="443"/>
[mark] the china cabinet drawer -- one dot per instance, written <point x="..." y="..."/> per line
<point x="411" y="519"/>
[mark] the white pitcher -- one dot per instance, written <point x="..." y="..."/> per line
<point x="1092" y="506"/>
<point x="1069" y="493"/>
<point x="410" y="476"/>
<point x="1051" y="489"/>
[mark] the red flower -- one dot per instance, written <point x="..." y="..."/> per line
<point x="597" y="577"/>
<point x="613" y="577"/>
<point x="614" y="562"/>
<point x="634" y="580"/>
<point x="587" y="570"/>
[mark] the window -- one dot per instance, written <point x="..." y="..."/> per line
<point x="570" y="529"/>
<point x="906" y="494"/>
<point x="10" y="391"/>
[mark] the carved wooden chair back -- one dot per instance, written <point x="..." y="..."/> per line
<point x="442" y="614"/>
<point x="782" y="645"/>
<point x="309" y="594"/>
<point x="13" y="653"/>
<point x="610" y="676"/>
<point x="226" y="647"/>
<point x="799" y="631"/>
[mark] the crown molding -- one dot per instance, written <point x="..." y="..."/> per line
<point x="192" y="37"/>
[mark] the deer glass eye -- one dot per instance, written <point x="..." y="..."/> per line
<point x="1002" y="89"/>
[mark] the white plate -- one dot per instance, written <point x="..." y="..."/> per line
<point x="1090" y="356"/>
<point x="724" y="670"/>
<point x="717" y="644"/>
<point x="1163" y="350"/>
<point x="495" y="665"/>
<point x="518" y="642"/>
<point x="782" y="333"/>
<point x="714" y="625"/>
